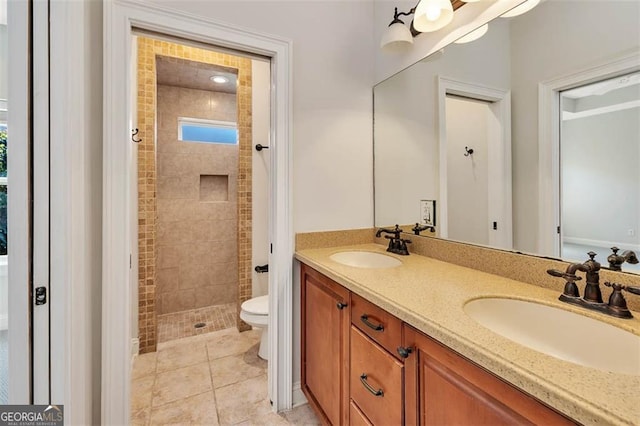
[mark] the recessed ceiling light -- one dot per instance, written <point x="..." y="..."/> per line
<point x="219" y="79"/>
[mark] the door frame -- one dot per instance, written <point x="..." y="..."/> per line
<point x="500" y="177"/>
<point x="120" y="18"/>
<point x="549" y="213"/>
<point x="18" y="208"/>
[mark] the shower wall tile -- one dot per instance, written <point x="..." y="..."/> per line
<point x="161" y="149"/>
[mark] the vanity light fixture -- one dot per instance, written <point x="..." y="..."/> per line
<point x="473" y="35"/>
<point x="219" y="79"/>
<point x="521" y="8"/>
<point x="429" y="15"/>
<point x="397" y="34"/>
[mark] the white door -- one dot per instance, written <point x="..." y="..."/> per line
<point x="25" y="87"/>
<point x="468" y="173"/>
<point x="478" y="118"/>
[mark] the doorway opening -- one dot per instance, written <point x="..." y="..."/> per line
<point x="475" y="165"/>
<point x="195" y="124"/>
<point x="599" y="174"/>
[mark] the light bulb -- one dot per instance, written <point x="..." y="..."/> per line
<point x="432" y="12"/>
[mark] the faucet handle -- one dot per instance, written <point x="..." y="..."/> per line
<point x="570" y="287"/>
<point x="566" y="276"/>
<point x="634" y="290"/>
<point x="617" y="303"/>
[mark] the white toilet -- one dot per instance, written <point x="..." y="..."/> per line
<point x="255" y="312"/>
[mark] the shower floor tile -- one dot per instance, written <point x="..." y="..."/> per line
<point x="182" y="324"/>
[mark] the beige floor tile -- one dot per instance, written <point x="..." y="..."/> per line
<point x="141" y="392"/>
<point x="243" y="401"/>
<point x="144" y="365"/>
<point x="195" y="410"/>
<point x="199" y="338"/>
<point x="302" y="416"/>
<point x="184" y="382"/>
<point x="236" y="368"/>
<point x="269" y="419"/>
<point x="140" y="417"/>
<point x="181" y="356"/>
<point x="232" y="344"/>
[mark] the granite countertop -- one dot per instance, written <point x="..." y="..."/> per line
<point x="429" y="295"/>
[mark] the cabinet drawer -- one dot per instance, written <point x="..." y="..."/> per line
<point x="376" y="323"/>
<point x="376" y="381"/>
<point x="356" y="417"/>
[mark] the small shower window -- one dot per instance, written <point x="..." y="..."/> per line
<point x="207" y="131"/>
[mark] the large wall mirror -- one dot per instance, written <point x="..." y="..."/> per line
<point x="527" y="139"/>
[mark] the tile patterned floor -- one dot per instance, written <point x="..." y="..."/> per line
<point x="208" y="379"/>
<point x="182" y="324"/>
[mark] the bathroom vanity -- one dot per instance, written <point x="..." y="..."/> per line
<point x="394" y="346"/>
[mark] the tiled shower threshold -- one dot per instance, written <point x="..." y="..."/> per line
<point x="196" y="321"/>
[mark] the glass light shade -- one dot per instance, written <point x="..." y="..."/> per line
<point x="431" y="15"/>
<point x="473" y="35"/>
<point x="521" y="8"/>
<point x="396" y="35"/>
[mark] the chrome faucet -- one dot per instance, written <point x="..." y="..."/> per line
<point x="592" y="298"/>
<point x="616" y="260"/>
<point x="397" y="244"/>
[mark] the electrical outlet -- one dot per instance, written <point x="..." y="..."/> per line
<point x="631" y="232"/>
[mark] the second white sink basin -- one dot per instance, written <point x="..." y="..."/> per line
<point x="365" y="259"/>
<point x="559" y="333"/>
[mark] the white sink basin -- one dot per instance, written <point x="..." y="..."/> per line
<point x="365" y="259"/>
<point x="559" y="333"/>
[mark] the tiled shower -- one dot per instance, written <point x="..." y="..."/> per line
<point x="197" y="214"/>
<point x="194" y="198"/>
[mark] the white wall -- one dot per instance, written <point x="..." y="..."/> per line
<point x="558" y="49"/>
<point x="76" y="208"/>
<point x="260" y="115"/>
<point x="406" y="126"/>
<point x="332" y="80"/>
<point x="600" y="177"/>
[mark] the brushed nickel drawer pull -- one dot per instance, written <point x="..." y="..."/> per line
<point x="375" y="327"/>
<point x="363" y="379"/>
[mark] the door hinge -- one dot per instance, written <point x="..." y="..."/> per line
<point x="558" y="229"/>
<point x="495" y="226"/>
<point x="41" y="296"/>
<point x="271" y="248"/>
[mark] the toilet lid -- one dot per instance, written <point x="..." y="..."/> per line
<point x="258" y="305"/>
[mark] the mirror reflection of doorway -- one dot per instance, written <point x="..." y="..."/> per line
<point x="600" y="172"/>
<point x="468" y="180"/>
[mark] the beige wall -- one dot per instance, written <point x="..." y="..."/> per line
<point x="196" y="237"/>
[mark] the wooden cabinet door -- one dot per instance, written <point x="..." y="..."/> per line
<point x="325" y="325"/>
<point x="376" y="381"/>
<point x="443" y="388"/>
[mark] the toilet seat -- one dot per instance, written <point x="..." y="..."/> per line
<point x="255" y="311"/>
<point x="256" y="306"/>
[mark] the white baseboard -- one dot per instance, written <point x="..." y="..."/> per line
<point x="4" y="322"/>
<point x="298" y="397"/>
<point x="600" y="243"/>
<point x="135" y="347"/>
